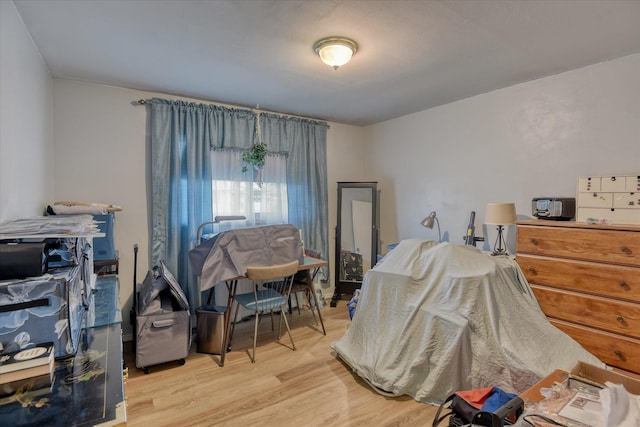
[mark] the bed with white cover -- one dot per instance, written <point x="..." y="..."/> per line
<point x="434" y="318"/>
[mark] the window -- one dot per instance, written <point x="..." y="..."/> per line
<point x="239" y="193"/>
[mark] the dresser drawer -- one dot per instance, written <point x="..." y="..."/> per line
<point x="607" y="280"/>
<point x="611" y="246"/>
<point x="614" y="350"/>
<point x="619" y="317"/>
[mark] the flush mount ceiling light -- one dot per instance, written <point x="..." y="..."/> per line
<point x="335" y="51"/>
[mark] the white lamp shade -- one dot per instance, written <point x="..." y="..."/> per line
<point x="335" y="51"/>
<point x="335" y="55"/>
<point x="500" y="213"/>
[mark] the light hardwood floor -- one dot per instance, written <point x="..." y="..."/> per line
<point x="307" y="387"/>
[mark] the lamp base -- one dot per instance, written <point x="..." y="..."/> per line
<point x="498" y="248"/>
<point x="499" y="253"/>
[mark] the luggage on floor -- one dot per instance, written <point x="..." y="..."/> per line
<point x="162" y="319"/>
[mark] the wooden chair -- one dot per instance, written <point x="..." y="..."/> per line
<point x="265" y="299"/>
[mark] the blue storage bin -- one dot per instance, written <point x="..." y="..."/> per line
<point x="103" y="247"/>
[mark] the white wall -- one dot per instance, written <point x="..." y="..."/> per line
<point x="26" y="121"/>
<point x="101" y="148"/>
<point x="102" y="155"/>
<point x="510" y="145"/>
<point x="345" y="162"/>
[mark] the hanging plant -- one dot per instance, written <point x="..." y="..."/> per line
<point x="255" y="156"/>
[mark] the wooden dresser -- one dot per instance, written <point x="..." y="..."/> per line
<point x="587" y="281"/>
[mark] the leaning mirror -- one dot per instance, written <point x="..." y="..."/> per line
<point x="356" y="247"/>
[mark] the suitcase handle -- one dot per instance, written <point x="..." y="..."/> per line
<point x="163" y="323"/>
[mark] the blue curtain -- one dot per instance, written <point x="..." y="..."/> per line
<point x="182" y="133"/>
<point x="305" y="141"/>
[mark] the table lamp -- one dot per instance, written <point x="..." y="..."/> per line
<point x="217" y="220"/>
<point x="429" y="221"/>
<point x="500" y="214"/>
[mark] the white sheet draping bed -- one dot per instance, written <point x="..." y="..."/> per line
<point x="434" y="318"/>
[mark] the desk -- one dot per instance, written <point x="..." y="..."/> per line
<point x="311" y="265"/>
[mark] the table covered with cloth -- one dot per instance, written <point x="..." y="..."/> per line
<point x="434" y="318"/>
<point x="228" y="254"/>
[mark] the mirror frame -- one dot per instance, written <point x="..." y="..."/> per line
<point x="347" y="287"/>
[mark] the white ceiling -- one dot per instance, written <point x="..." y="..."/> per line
<point x="413" y="55"/>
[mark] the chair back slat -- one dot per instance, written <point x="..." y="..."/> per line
<point x="272" y="272"/>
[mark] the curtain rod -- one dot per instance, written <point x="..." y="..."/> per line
<point x="148" y="102"/>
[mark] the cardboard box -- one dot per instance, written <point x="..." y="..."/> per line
<point x="532" y="395"/>
<point x="599" y="376"/>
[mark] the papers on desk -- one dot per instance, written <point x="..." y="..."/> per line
<point x="49" y="225"/>
<point x="585" y="408"/>
<point x="612" y="407"/>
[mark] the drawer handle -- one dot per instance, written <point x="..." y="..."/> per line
<point x="620" y="319"/>
<point x="620" y="355"/>
<point x="624" y="286"/>
<point x="532" y="270"/>
<point x="625" y="249"/>
<point x="534" y="241"/>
